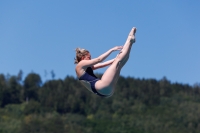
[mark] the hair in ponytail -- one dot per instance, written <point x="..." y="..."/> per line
<point x="79" y="54"/>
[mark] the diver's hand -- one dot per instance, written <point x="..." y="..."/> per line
<point x="116" y="48"/>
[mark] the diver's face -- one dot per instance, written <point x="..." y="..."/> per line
<point x="87" y="57"/>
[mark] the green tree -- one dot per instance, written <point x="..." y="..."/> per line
<point x="49" y="123"/>
<point x="10" y="92"/>
<point x="2" y="88"/>
<point x="31" y="85"/>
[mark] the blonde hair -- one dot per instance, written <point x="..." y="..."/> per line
<point x="79" y="54"/>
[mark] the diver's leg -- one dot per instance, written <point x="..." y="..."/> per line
<point x="123" y="62"/>
<point x="121" y="65"/>
<point x="130" y="39"/>
<point x="110" y="76"/>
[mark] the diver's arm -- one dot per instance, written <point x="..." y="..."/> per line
<point x="103" y="64"/>
<point x="88" y="63"/>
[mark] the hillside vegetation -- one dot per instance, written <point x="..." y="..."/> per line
<point x="65" y="106"/>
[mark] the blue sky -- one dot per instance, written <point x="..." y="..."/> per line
<point x="38" y="36"/>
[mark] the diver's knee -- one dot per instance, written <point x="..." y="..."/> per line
<point x="118" y="64"/>
<point x="119" y="57"/>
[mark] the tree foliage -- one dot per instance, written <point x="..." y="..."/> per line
<point x="137" y="106"/>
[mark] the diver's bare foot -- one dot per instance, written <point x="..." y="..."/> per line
<point x="131" y="36"/>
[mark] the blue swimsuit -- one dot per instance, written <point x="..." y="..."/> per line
<point x="92" y="79"/>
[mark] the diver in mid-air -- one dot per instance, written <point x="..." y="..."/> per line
<point x="85" y="65"/>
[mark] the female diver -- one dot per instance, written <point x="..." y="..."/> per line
<point x="85" y="65"/>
